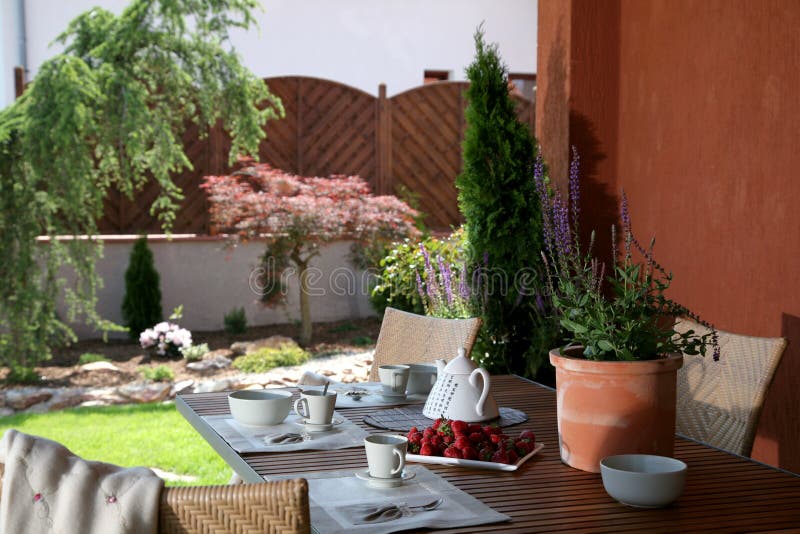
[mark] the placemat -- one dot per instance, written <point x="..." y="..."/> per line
<point x="402" y="419"/>
<point x="243" y="438"/>
<point x="341" y="503"/>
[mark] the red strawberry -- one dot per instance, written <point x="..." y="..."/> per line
<point x="485" y="454"/>
<point x="512" y="457"/>
<point x="436" y="440"/>
<point x="459" y="426"/>
<point x="416" y="438"/>
<point x="428" y="432"/>
<point x="523" y="447"/>
<point x="474" y="427"/>
<point x="476" y="437"/>
<point x="469" y="453"/>
<point x="413" y="430"/>
<point x="508" y="444"/>
<point x="462" y="442"/>
<point x="442" y="447"/>
<point x="490" y="429"/>
<point x="427" y="450"/>
<point x="437" y="423"/>
<point x="448" y="439"/>
<point x="452" y="452"/>
<point x="500" y="456"/>
<point x="496" y="438"/>
<point x="528" y="434"/>
<point x="414" y="448"/>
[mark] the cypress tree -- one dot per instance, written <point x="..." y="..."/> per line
<point x="141" y="307"/>
<point x="497" y="197"/>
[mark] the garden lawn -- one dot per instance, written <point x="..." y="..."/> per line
<point x="150" y="435"/>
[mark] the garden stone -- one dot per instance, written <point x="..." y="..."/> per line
<point x="212" y="386"/>
<point x="21" y="399"/>
<point x="100" y="366"/>
<point x="207" y="366"/>
<point x="145" y="392"/>
<point x="66" y="398"/>
<point x="225" y="353"/>
<point x="184" y="386"/>
<point x="5" y="411"/>
<point x="246" y="347"/>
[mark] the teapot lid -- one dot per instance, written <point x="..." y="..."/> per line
<point x="460" y="365"/>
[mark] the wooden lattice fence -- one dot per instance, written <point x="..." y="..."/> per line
<point x="411" y="140"/>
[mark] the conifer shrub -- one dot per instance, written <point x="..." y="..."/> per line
<point x="497" y="196"/>
<point x="141" y="307"/>
<point x="235" y="321"/>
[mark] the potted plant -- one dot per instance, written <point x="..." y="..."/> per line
<point x="616" y="374"/>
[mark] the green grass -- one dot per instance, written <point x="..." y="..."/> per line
<point x="150" y="435"/>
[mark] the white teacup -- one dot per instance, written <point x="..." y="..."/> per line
<point x="315" y="407"/>
<point x="394" y="378"/>
<point x="421" y="378"/>
<point x="386" y="455"/>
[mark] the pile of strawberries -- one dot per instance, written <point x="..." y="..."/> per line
<point x="458" y="439"/>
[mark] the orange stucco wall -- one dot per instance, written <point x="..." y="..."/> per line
<point x="693" y="107"/>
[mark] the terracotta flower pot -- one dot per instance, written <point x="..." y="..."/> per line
<point x="607" y="408"/>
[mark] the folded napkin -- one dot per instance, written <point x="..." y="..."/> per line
<point x="46" y="488"/>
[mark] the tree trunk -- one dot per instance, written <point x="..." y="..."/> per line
<point x="305" y="310"/>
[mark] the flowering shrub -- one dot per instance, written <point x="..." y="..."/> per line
<point x="166" y="339"/>
<point x="631" y="318"/>
<point x="296" y="214"/>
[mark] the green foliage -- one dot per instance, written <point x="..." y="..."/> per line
<point x="91" y="357"/>
<point x="159" y="373"/>
<point x="346" y="327"/>
<point x="109" y="113"/>
<point x="497" y="197"/>
<point x="22" y="375"/>
<point x="235" y="321"/>
<point x="363" y="341"/>
<point x="268" y="358"/>
<point x="192" y="353"/>
<point x="152" y="435"/>
<point x="396" y="283"/>
<point x="141" y="306"/>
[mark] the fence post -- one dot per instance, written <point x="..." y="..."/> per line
<point x="19" y="81"/>
<point x="384" y="182"/>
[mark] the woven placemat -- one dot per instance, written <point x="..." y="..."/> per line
<point x="402" y="419"/>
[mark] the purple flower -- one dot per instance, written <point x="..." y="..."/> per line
<point x="463" y="287"/>
<point x="419" y="286"/>
<point x="574" y="185"/>
<point x="447" y="278"/>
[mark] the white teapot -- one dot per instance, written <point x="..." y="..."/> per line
<point x="457" y="393"/>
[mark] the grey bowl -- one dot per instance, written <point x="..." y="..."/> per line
<point x="260" y="407"/>
<point x="643" y="480"/>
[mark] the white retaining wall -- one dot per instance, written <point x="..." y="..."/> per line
<point x="210" y="280"/>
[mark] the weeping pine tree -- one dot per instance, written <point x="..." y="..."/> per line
<point x="497" y="197"/>
<point x="109" y="112"/>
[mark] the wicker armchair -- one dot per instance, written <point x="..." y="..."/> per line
<point x="410" y="338"/>
<point x="274" y="507"/>
<point x="719" y="403"/>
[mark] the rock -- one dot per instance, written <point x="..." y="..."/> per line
<point x="347" y="371"/>
<point x="209" y="365"/>
<point x="212" y="386"/>
<point x="246" y="347"/>
<point x="326" y="373"/>
<point x="144" y="392"/>
<point x="225" y="353"/>
<point x="21" y="399"/>
<point x="100" y="366"/>
<point x="66" y="399"/>
<point x="184" y="386"/>
<point x="5" y="411"/>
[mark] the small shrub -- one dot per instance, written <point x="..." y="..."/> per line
<point x="91" y="357"/>
<point x="342" y="328"/>
<point x="397" y="280"/>
<point x="165" y="339"/>
<point x="235" y="321"/>
<point x="160" y="373"/>
<point x="362" y="341"/>
<point x="268" y="358"/>
<point x="141" y="306"/>
<point x="192" y="353"/>
<point x="22" y="375"/>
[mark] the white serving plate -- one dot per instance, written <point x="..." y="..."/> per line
<point x="443" y="460"/>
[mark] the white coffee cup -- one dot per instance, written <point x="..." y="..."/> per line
<point x="421" y="378"/>
<point x="386" y="455"/>
<point x="394" y="378"/>
<point x="315" y="407"/>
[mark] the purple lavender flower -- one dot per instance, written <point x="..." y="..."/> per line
<point x="447" y="278"/>
<point x="624" y="213"/>
<point x="463" y="286"/>
<point x="419" y="286"/>
<point x="574" y="185"/>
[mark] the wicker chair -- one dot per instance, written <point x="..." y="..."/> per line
<point x="719" y="403"/>
<point x="410" y="338"/>
<point x="275" y="507"/>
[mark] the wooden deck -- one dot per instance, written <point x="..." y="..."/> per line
<point x="724" y="493"/>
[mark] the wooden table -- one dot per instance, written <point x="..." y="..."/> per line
<point x="724" y="492"/>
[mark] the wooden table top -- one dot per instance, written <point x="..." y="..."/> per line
<point x="724" y="492"/>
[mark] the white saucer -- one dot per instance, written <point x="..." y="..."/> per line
<point x="364" y="475"/>
<point x="313" y="427"/>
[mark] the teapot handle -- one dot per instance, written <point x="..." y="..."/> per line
<point x="473" y="379"/>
